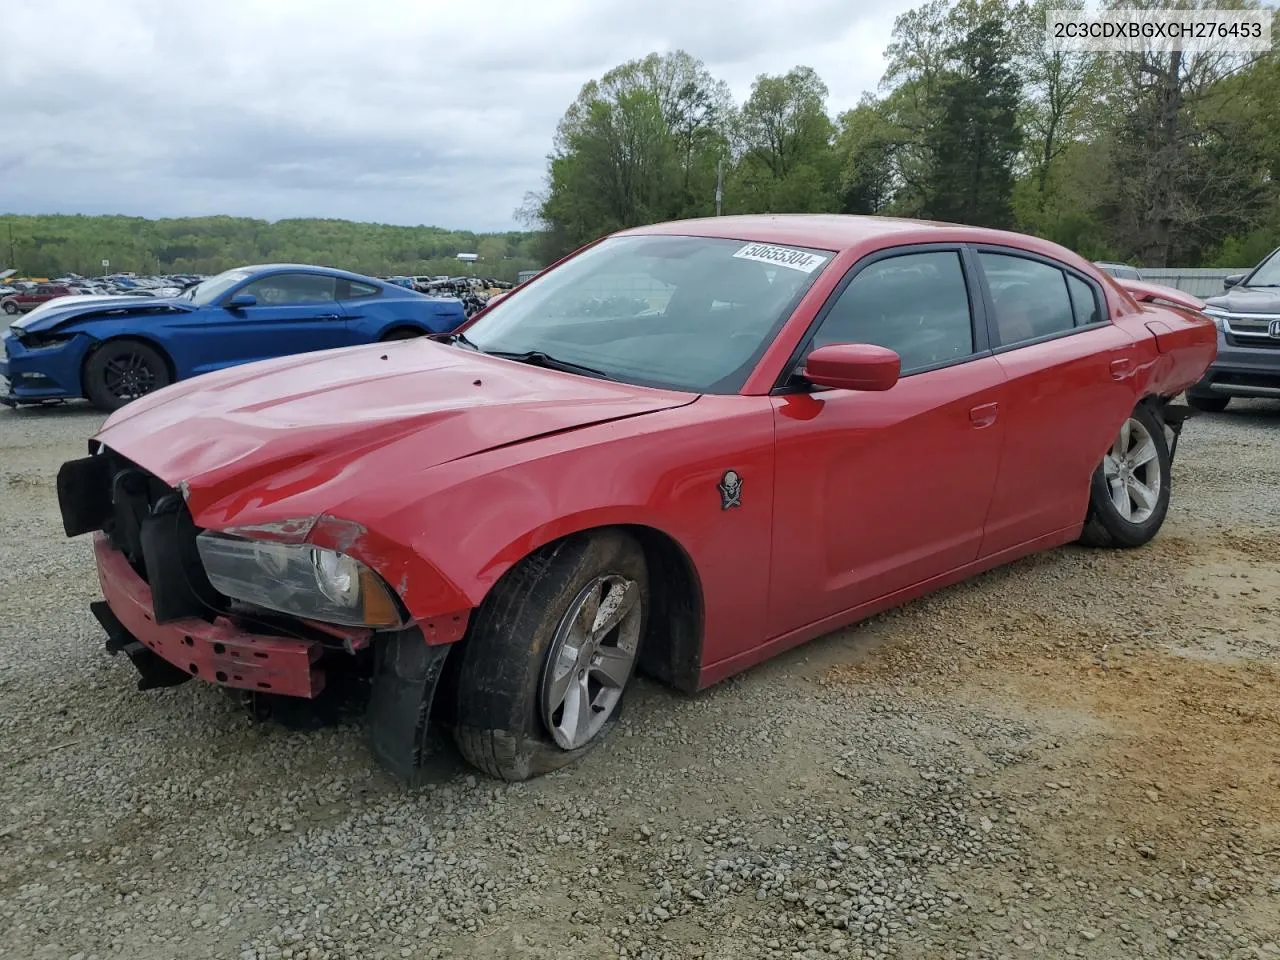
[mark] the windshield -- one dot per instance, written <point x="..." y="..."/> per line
<point x="1267" y="273"/>
<point x="207" y="291"/>
<point x="691" y="313"/>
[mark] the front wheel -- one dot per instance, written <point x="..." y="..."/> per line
<point x="1129" y="492"/>
<point x="123" y="370"/>
<point x="11" y="308"/>
<point x="550" y="654"/>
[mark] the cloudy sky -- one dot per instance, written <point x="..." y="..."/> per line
<point x="406" y="111"/>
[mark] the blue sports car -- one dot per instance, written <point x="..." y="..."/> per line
<point x="113" y="349"/>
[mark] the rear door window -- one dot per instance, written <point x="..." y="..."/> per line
<point x="1030" y="297"/>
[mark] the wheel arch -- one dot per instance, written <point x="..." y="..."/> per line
<point x="671" y="650"/>
<point x="126" y="337"/>
<point x="397" y="326"/>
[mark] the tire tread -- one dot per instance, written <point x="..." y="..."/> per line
<point x="497" y="729"/>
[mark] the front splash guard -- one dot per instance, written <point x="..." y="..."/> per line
<point x="406" y="673"/>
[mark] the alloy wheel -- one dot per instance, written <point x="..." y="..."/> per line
<point x="129" y="376"/>
<point x="590" y="660"/>
<point x="1132" y="471"/>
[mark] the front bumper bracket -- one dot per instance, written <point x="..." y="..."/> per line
<point x="155" y="670"/>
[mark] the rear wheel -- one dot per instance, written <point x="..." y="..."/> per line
<point x="1129" y="493"/>
<point x="402" y="333"/>
<point x="11" y="308"/>
<point x="550" y="654"/>
<point x="123" y="370"/>
<point x="1207" y="402"/>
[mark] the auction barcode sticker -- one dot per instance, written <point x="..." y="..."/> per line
<point x="788" y="257"/>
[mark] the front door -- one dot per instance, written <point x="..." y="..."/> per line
<point x="294" y="313"/>
<point x="876" y="492"/>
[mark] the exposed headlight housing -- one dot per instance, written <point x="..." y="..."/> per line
<point x="298" y="579"/>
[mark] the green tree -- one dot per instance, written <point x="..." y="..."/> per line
<point x="783" y="141"/>
<point x="1186" y="158"/>
<point x="56" y="245"/>
<point x="975" y="142"/>
<point x="638" y="145"/>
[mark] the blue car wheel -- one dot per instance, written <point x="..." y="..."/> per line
<point x="123" y="370"/>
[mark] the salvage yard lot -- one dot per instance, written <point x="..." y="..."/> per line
<point x="1075" y="755"/>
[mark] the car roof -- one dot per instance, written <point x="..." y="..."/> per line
<point x="839" y="232"/>
<point x="306" y="268"/>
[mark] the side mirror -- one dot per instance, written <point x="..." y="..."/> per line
<point x="853" y="366"/>
<point x="1231" y="281"/>
<point x="240" y="301"/>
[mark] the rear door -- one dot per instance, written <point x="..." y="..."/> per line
<point x="877" y="492"/>
<point x="1071" y="384"/>
<point x="294" y="313"/>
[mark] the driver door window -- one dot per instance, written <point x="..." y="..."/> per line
<point x="916" y="304"/>
<point x="291" y="289"/>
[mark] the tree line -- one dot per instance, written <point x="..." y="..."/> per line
<point x="52" y="246"/>
<point x="1159" y="159"/>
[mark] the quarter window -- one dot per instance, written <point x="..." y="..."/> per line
<point x="353" y="290"/>
<point x="915" y="304"/>
<point x="1030" y="298"/>
<point x="1083" y="301"/>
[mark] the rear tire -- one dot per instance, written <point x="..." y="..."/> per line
<point x="1208" y="403"/>
<point x="123" y="370"/>
<point x="543" y="671"/>
<point x="12" y="309"/>
<point x="403" y="333"/>
<point x="1129" y="492"/>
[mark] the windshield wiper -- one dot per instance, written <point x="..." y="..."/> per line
<point x="456" y="338"/>
<point x="539" y="359"/>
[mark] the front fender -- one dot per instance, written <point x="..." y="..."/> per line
<point x="443" y="538"/>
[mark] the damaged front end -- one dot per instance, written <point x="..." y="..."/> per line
<point x="162" y="609"/>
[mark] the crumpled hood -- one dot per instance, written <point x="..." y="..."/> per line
<point x="331" y="424"/>
<point x="62" y="311"/>
<point x="1248" y="300"/>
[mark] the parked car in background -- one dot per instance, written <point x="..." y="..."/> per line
<point x="688" y="447"/>
<point x="1121" y="271"/>
<point x="28" y="298"/>
<point x="113" y="349"/>
<point x="1248" y="319"/>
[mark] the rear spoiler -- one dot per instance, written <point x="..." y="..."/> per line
<point x="1145" y="292"/>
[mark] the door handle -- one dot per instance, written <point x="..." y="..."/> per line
<point x="326" y="316"/>
<point x="1120" y="368"/>
<point x="984" y="415"/>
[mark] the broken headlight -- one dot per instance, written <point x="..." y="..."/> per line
<point x="299" y="579"/>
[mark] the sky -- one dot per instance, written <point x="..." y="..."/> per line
<point x="392" y="111"/>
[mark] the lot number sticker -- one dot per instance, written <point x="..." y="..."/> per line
<point x="781" y="257"/>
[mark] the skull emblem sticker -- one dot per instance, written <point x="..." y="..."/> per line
<point x="730" y="490"/>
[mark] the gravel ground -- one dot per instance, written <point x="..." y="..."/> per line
<point x="1076" y="755"/>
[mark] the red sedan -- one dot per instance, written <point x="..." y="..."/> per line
<point x="687" y="448"/>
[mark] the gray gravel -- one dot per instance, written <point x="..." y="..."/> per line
<point x="935" y="783"/>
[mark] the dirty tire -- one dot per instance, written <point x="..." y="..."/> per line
<point x="1104" y="525"/>
<point x="499" y="726"/>
<point x="115" y="369"/>
<point x="402" y="333"/>
<point x="1207" y="402"/>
